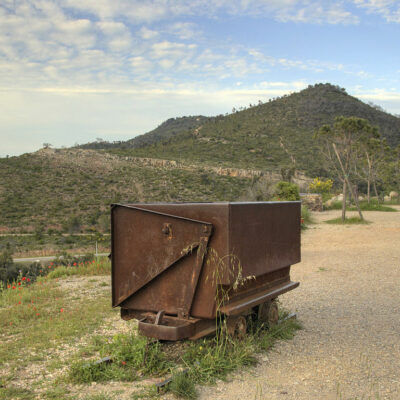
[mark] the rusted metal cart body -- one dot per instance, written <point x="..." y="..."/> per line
<point x="175" y="267"/>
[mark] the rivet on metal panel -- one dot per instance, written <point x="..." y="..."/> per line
<point x="206" y="229"/>
<point x="182" y="314"/>
<point x="159" y="317"/>
<point x="166" y="229"/>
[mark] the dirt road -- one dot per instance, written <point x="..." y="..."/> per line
<point x="349" y="304"/>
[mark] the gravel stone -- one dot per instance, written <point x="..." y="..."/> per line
<point x="348" y="302"/>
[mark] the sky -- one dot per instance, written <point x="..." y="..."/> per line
<point x="73" y="71"/>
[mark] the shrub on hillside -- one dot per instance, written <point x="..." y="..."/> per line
<point x="286" y="191"/>
<point x="324" y="187"/>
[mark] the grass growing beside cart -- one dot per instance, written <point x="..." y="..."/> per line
<point x="190" y="363"/>
<point x="48" y="326"/>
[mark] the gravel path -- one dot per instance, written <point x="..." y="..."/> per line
<point x="349" y="304"/>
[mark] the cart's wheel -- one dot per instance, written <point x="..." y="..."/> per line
<point x="236" y="327"/>
<point x="268" y="312"/>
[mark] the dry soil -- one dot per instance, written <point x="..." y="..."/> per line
<point x="349" y="304"/>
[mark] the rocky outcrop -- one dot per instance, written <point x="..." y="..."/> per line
<point x="394" y="196"/>
<point x="155" y="162"/>
<point x="313" y="201"/>
<point x="236" y="172"/>
<point x="225" y="171"/>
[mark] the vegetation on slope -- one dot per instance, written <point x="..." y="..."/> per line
<point x="71" y="190"/>
<point x="274" y="135"/>
<point x="164" y="131"/>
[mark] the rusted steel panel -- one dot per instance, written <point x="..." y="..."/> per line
<point x="144" y="244"/>
<point x="264" y="237"/>
<point x="239" y="306"/>
<point x="216" y="214"/>
<point x="179" y="258"/>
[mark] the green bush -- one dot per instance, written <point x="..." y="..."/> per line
<point x="286" y="191"/>
<point x="11" y="272"/>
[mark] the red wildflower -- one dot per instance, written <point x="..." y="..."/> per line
<point x="74" y="264"/>
<point x="37" y="314"/>
<point x="28" y="280"/>
<point x="8" y="286"/>
<point x="62" y="310"/>
<point x="19" y="283"/>
<point x="49" y="266"/>
<point x="41" y="271"/>
<point x="23" y="278"/>
<point x="19" y="288"/>
<point x="19" y="302"/>
<point x="123" y="362"/>
<point x="51" y="263"/>
<point x="13" y="287"/>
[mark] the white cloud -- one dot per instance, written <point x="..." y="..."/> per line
<point x="136" y="11"/>
<point x="147" y="33"/>
<point x="184" y="30"/>
<point x="166" y="63"/>
<point x="112" y="28"/>
<point x="51" y="49"/>
<point x="319" y="13"/>
<point x="171" y="49"/>
<point x="379" y="94"/>
<point x="388" y="9"/>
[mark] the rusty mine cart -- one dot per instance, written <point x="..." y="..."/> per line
<point x="176" y="267"/>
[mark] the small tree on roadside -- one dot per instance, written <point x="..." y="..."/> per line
<point x="374" y="153"/>
<point x="339" y="147"/>
<point x="388" y="171"/>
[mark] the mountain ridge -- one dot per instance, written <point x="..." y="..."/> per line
<point x="272" y="135"/>
<point x="226" y="155"/>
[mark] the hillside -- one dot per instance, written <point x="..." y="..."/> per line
<point x="268" y="136"/>
<point x="72" y="189"/>
<point x="165" y="131"/>
<point x="184" y="159"/>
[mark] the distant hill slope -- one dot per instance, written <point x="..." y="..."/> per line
<point x="272" y="135"/>
<point x="165" y="131"/>
<point x="52" y="187"/>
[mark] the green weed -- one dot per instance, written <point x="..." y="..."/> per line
<point x="348" y="221"/>
<point x="306" y="218"/>
<point x="100" y="267"/>
<point x="364" y="206"/>
<point x="372" y="206"/>
<point x="183" y="386"/>
<point x="43" y="307"/>
<point x="99" y="396"/>
<point x="132" y="356"/>
<point x="15" y="393"/>
<point x="57" y="393"/>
